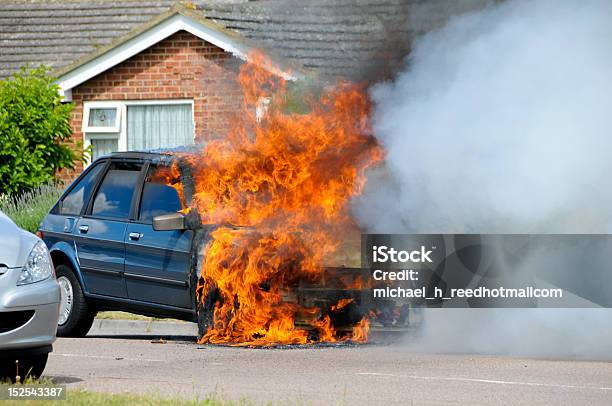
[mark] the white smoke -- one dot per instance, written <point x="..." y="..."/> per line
<point x="502" y="122"/>
<point x="548" y="333"/>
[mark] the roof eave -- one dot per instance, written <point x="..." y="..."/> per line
<point x="176" y="19"/>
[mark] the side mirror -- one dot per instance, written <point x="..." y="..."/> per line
<point x="168" y="222"/>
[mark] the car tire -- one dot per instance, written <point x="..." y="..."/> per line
<point x="29" y="367"/>
<point x="206" y="310"/>
<point x="80" y="316"/>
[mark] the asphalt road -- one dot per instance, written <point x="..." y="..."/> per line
<point x="368" y="374"/>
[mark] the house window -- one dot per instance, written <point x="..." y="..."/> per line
<point x="102" y="118"/>
<point x="101" y="146"/>
<point x="137" y="125"/>
<point x="159" y="126"/>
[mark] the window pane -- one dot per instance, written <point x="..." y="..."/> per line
<point x="73" y="203"/>
<point x="159" y="126"/>
<point x="114" y="198"/>
<point x="103" y="147"/>
<point x="99" y="117"/>
<point x="160" y="194"/>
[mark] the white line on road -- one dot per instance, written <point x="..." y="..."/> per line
<point x="442" y="378"/>
<point x="106" y="357"/>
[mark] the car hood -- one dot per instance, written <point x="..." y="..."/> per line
<point x="16" y="243"/>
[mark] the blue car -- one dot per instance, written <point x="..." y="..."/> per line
<point x="118" y="241"/>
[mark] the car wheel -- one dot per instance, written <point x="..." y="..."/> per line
<point x="29" y="367"/>
<point x="205" y="311"/>
<point x="76" y="317"/>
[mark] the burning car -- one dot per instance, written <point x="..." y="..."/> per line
<point x="121" y="237"/>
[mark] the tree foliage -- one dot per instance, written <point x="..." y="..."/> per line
<point x="34" y="131"/>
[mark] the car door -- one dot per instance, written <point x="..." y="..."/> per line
<point x="157" y="263"/>
<point x="100" y="232"/>
<point x="59" y="225"/>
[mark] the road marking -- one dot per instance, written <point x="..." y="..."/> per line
<point x="106" y="357"/>
<point x="498" y="382"/>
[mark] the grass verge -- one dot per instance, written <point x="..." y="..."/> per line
<point x="82" y="397"/>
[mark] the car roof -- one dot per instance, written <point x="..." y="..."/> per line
<point x="155" y="152"/>
<point x="136" y="154"/>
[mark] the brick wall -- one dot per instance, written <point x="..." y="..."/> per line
<point x="180" y="67"/>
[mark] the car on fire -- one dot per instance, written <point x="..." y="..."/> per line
<point x="29" y="302"/>
<point x="124" y="236"/>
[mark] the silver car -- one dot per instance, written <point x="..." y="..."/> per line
<point x="29" y="302"/>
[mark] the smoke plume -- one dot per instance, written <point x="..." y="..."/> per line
<point x="501" y="122"/>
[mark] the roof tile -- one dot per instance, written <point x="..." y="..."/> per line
<point x="337" y="37"/>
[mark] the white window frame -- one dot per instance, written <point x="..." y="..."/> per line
<point x="88" y="106"/>
<point x="121" y="133"/>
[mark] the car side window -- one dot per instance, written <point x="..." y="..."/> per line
<point x="74" y="201"/>
<point x="115" y="195"/>
<point x="161" y="194"/>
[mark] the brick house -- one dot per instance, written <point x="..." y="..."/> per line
<point x="153" y="74"/>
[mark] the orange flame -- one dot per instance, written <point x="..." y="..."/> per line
<point x="342" y="303"/>
<point x="169" y="175"/>
<point x="361" y="330"/>
<point x="281" y="186"/>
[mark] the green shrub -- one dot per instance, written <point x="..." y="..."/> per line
<point x="29" y="209"/>
<point x="34" y="131"/>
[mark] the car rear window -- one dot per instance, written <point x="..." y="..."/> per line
<point x="115" y="195"/>
<point x="160" y="194"/>
<point x="79" y="195"/>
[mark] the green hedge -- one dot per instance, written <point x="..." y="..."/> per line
<point x="34" y="132"/>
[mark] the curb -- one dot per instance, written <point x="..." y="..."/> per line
<point x="142" y="327"/>
<point x="167" y="329"/>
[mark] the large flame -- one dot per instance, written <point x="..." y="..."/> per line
<point x="280" y="186"/>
